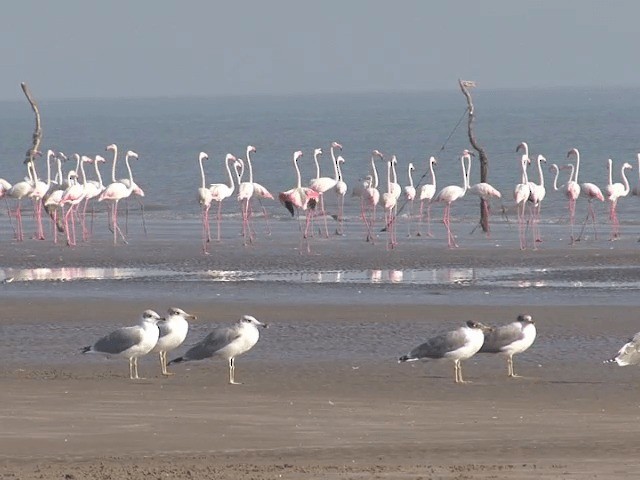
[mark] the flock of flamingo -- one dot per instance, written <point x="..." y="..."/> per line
<point x="67" y="198"/>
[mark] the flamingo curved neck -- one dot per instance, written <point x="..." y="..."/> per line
<point x="295" y="164"/>
<point x="389" y="169"/>
<point x="540" y="172"/>
<point x="465" y="174"/>
<point x="200" y="159"/>
<point x="113" y="167"/>
<point x="577" y="164"/>
<point x="610" y="163"/>
<point x="249" y="165"/>
<point x="131" y="184"/>
<point x="625" y="181"/>
<point x="315" y="159"/>
<point x="335" y="165"/>
<point x="95" y="164"/>
<point x="525" y="177"/>
<point x="433" y="174"/>
<point x="231" y="184"/>
<point x="410" y="176"/>
<point x="375" y="173"/>
<point x="555" y="179"/>
<point x="59" y="174"/>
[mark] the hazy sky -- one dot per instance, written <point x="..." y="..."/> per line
<point x="117" y="48"/>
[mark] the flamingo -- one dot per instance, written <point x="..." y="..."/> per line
<point x="572" y="189"/>
<point x="245" y="193"/>
<point x="222" y="191"/>
<point x="341" y="191"/>
<point x="483" y="190"/>
<point x="537" y="192"/>
<point x="521" y="193"/>
<point x="116" y="191"/>
<point x="93" y="188"/>
<point x="324" y="184"/>
<point x="40" y="189"/>
<point x="18" y="191"/>
<point x="427" y="192"/>
<point x="259" y="191"/>
<point x="300" y="198"/>
<point x="204" y="199"/>
<point x="370" y="198"/>
<point x="410" y="194"/>
<point x="448" y="195"/>
<point x="52" y="202"/>
<point x="73" y="195"/>
<point x="614" y="192"/>
<point x="389" y="202"/>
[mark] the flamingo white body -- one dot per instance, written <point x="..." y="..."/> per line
<point x="448" y="195"/>
<point x="572" y="189"/>
<point x="614" y="192"/>
<point x="370" y="199"/>
<point x="222" y="191"/>
<point x="300" y="198"/>
<point x="19" y="191"/>
<point x="173" y="331"/>
<point x="341" y="191"/>
<point x="72" y="197"/>
<point x="427" y="193"/>
<point x="325" y="184"/>
<point x="537" y="192"/>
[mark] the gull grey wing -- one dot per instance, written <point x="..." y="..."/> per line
<point x="118" y="341"/>
<point x="440" y="345"/>
<point x="502" y="337"/>
<point x="212" y="343"/>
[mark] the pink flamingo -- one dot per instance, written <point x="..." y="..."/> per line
<point x="72" y="196"/>
<point x="92" y="189"/>
<point x="204" y="199"/>
<point x="427" y="192"/>
<point x="40" y="189"/>
<point x="521" y="193"/>
<point x="300" y="198"/>
<point x="370" y="198"/>
<point x="614" y="192"/>
<point x="536" y="196"/>
<point x="448" y="195"/>
<point x="18" y="191"/>
<point x="222" y="191"/>
<point x="483" y="190"/>
<point x="410" y="194"/>
<point x="116" y="191"/>
<point x="572" y="190"/>
<point x="389" y="202"/>
<point x="341" y="191"/>
<point x="324" y="184"/>
<point x="257" y="191"/>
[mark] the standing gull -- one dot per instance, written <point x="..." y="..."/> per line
<point x="629" y="354"/>
<point x="507" y="340"/>
<point x="226" y="342"/>
<point x="173" y="331"/>
<point x="456" y="345"/>
<point x="130" y="342"/>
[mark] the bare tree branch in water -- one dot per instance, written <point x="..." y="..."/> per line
<point x="37" y="133"/>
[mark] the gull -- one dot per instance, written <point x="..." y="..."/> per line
<point x="226" y="342"/>
<point x="130" y="342"/>
<point x="629" y="354"/>
<point x="507" y="340"/>
<point x="459" y="344"/>
<point x="173" y="331"/>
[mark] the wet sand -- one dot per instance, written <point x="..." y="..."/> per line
<point x="323" y="396"/>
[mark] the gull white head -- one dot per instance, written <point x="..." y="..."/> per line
<point x="253" y="321"/>
<point x="525" y="318"/>
<point x="178" y="312"/>
<point x="150" y="316"/>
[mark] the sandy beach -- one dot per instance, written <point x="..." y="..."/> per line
<point x="323" y="395"/>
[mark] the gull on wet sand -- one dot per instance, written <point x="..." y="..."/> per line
<point x="130" y="342"/>
<point x="510" y="339"/>
<point x="457" y="345"/>
<point x="226" y="342"/>
<point x="173" y="331"/>
<point x="629" y="354"/>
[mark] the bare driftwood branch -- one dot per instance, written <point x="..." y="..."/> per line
<point x="37" y="133"/>
<point x="465" y="85"/>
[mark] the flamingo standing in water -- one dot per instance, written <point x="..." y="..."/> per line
<point x="92" y="189"/>
<point x="72" y="196"/>
<point x="39" y="191"/>
<point x="572" y="190"/>
<point x="448" y="195"/>
<point x="410" y="194"/>
<point x="370" y="198"/>
<point x="222" y="191"/>
<point x="427" y="192"/>
<point x="389" y="202"/>
<point x="300" y="198"/>
<point x="18" y="191"/>
<point x="259" y="192"/>
<point x="614" y="192"/>
<point x="341" y="191"/>
<point x="537" y="192"/>
<point x="115" y="192"/>
<point x="483" y="190"/>
<point x="324" y="184"/>
<point x="204" y="199"/>
<point x="521" y="193"/>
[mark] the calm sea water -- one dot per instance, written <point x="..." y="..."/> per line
<point x="168" y="134"/>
